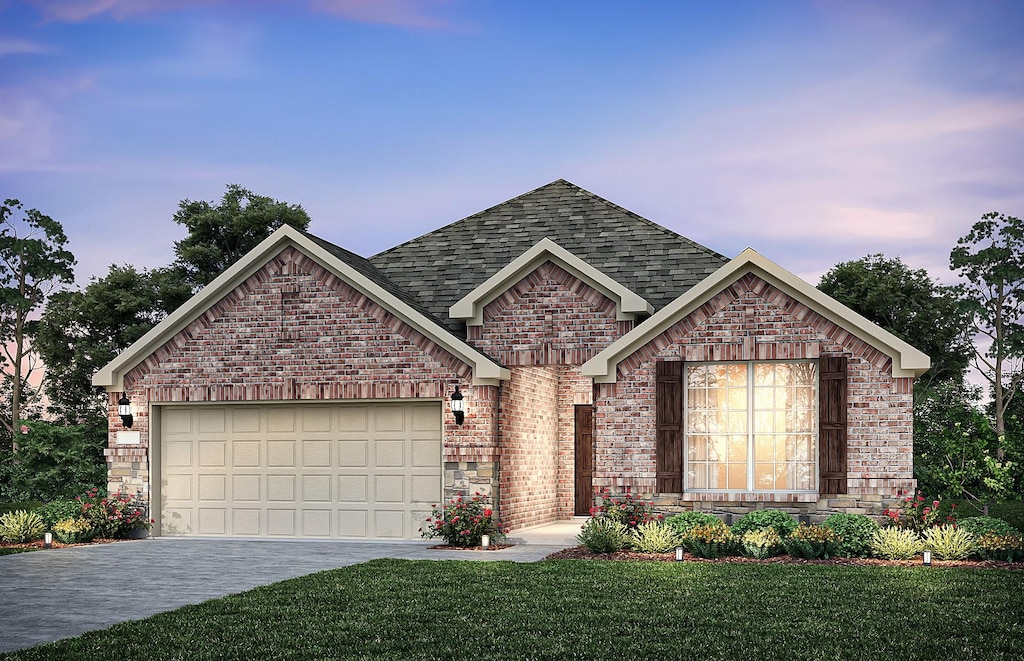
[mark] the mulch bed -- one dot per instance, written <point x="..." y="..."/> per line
<point x="581" y="553"/>
<point x="492" y="547"/>
<point x="39" y="544"/>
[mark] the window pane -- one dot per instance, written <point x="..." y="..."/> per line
<point x="697" y="448"/>
<point x="738" y="448"/>
<point x="737" y="476"/>
<point x="764" y="448"/>
<point x="764" y="476"/>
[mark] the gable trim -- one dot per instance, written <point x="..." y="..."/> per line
<point x="628" y="304"/>
<point x="906" y="360"/>
<point x="111" y="376"/>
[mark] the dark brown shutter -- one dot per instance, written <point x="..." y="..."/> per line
<point x="832" y="424"/>
<point x="669" y="439"/>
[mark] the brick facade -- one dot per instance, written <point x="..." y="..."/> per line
<point x="752" y="320"/>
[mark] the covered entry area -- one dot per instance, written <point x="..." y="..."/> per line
<point x="368" y="470"/>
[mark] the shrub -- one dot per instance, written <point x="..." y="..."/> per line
<point x="949" y="542"/>
<point x="684" y="521"/>
<point x="463" y="522"/>
<point x="856" y="531"/>
<point x="713" y="541"/>
<point x="629" y="509"/>
<point x="979" y="525"/>
<point x="59" y="510"/>
<point x="21" y="526"/>
<point x="782" y="522"/>
<point x="894" y="543"/>
<point x="114" y="516"/>
<point x="918" y="514"/>
<point x="655" y="537"/>
<point x="604" y="536"/>
<point x="993" y="546"/>
<point x="73" y="531"/>
<point x="762" y="543"/>
<point x="55" y="461"/>
<point x="812" y="542"/>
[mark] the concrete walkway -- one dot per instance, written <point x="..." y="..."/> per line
<point x="47" y="595"/>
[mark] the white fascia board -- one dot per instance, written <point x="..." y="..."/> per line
<point x="906" y="360"/>
<point x="628" y="304"/>
<point x="111" y="376"/>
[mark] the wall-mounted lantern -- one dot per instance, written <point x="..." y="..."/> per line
<point x="458" y="407"/>
<point x="124" y="409"/>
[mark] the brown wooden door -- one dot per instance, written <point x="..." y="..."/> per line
<point x="584" y="459"/>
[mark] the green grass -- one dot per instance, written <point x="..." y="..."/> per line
<point x="399" y="609"/>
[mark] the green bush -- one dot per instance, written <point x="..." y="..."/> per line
<point x="761" y="544"/>
<point x="856" y="531"/>
<point x="949" y="542"/>
<point x="59" y="510"/>
<point x="893" y="543"/>
<point x="782" y="522"/>
<point x="604" y="536"/>
<point x="54" y="461"/>
<point x="627" y="509"/>
<point x="711" y="541"/>
<point x="655" y="537"/>
<point x="812" y="542"/>
<point x="73" y="531"/>
<point x="21" y="526"/>
<point x="993" y="546"/>
<point x="980" y="525"/>
<point x="685" y="521"/>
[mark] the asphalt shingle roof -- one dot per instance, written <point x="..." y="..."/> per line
<point x="439" y="268"/>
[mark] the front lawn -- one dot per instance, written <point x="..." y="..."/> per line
<point x="584" y="609"/>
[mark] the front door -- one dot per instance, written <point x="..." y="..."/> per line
<point x="584" y="459"/>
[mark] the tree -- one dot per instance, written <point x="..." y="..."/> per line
<point x="909" y="304"/>
<point x="33" y="261"/>
<point x="82" y="330"/>
<point x="991" y="260"/>
<point x="220" y="234"/>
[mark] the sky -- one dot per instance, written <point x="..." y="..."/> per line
<point x="815" y="131"/>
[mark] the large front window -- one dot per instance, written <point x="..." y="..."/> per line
<point x="751" y="426"/>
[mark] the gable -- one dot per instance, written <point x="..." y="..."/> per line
<point x="806" y="304"/>
<point x="443" y="267"/>
<point x="343" y="265"/>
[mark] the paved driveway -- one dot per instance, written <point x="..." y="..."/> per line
<point x="47" y="595"/>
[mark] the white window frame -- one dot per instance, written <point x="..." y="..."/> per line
<point x="750" y="426"/>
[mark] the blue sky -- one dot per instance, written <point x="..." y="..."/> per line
<point x="813" y="131"/>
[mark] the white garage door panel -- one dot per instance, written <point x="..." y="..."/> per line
<point x="339" y="471"/>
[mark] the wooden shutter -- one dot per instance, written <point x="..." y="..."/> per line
<point x="669" y="439"/>
<point x="832" y="424"/>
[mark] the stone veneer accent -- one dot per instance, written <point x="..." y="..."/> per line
<point x="752" y="320"/>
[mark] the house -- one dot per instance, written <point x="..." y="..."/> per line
<point x="305" y="392"/>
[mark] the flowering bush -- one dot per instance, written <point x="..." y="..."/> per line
<point x="655" y="537"/>
<point x="918" y="514"/>
<point x="629" y="509"/>
<point x="463" y="522"/>
<point x="994" y="546"/>
<point x="713" y="541"/>
<point x="761" y="543"/>
<point x="113" y="516"/>
<point x="812" y="542"/>
<point x="604" y="536"/>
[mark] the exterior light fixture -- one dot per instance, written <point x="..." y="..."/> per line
<point x="926" y="558"/>
<point x="485" y="542"/>
<point x="124" y="409"/>
<point x="48" y="540"/>
<point x="679" y="554"/>
<point x="458" y="407"/>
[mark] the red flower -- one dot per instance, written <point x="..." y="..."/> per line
<point x="488" y="512"/>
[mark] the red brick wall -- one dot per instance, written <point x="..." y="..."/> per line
<point x="751" y="320"/>
<point x="528" y="477"/>
<point x="294" y="331"/>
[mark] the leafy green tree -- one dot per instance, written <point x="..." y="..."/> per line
<point x="54" y="461"/>
<point x="33" y="262"/>
<point x="990" y="258"/>
<point x="82" y="330"/>
<point x="220" y="234"/>
<point x="909" y="304"/>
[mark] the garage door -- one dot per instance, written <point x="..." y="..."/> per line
<point x="338" y="471"/>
